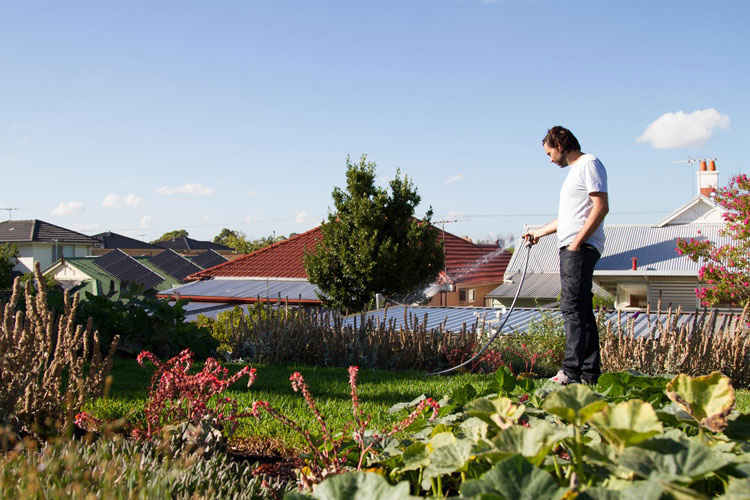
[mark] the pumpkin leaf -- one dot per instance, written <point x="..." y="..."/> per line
<point x="574" y="403"/>
<point x="738" y="489"/>
<point x="627" y="423"/>
<point x="533" y="443"/>
<point x="683" y="461"/>
<point x="500" y="412"/>
<point x="447" y="460"/>
<point x="415" y="457"/>
<point x="513" y="479"/>
<point x="355" y="486"/>
<point x="708" y="399"/>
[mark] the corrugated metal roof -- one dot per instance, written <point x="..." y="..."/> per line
<point x="654" y="247"/>
<point x="39" y="230"/>
<point x="247" y="290"/>
<point x="540" y="285"/>
<point x="453" y="319"/>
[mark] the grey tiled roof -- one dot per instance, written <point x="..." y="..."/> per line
<point x="114" y="240"/>
<point x="186" y="243"/>
<point x="248" y="288"/>
<point x="209" y="258"/>
<point x="38" y="230"/>
<point x="174" y="264"/>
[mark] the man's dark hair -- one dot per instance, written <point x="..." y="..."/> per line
<point x="560" y="136"/>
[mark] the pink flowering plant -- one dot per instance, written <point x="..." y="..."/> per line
<point x="725" y="269"/>
<point x="177" y="396"/>
<point x="329" y="453"/>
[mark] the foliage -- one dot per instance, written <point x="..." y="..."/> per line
<point x="238" y="241"/>
<point x="176" y="396"/>
<point x="229" y="326"/>
<point x="706" y="344"/>
<point x="8" y="258"/>
<point x="726" y="268"/>
<point x="147" y="323"/>
<point x="561" y="442"/>
<point x="372" y="243"/>
<point x="171" y="235"/>
<point x="115" y="468"/>
<point x="329" y="454"/>
<point x="49" y="367"/>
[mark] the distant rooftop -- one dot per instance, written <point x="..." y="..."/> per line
<point x="40" y="231"/>
<point x="186" y="243"/>
<point x="114" y="240"/>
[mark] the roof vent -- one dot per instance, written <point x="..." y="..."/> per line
<point x="635" y="263"/>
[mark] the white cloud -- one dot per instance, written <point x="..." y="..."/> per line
<point x="682" y="130"/>
<point x="148" y="221"/>
<point x="189" y="188"/>
<point x="115" y="200"/>
<point x="252" y="194"/>
<point x="302" y="217"/>
<point x="69" y="208"/>
<point x="206" y="218"/>
<point x="453" y="179"/>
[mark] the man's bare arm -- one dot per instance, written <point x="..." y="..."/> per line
<point x="534" y="235"/>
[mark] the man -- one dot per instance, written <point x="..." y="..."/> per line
<point x="580" y="238"/>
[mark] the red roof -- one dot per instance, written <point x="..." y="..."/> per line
<point x="463" y="258"/>
<point x="468" y="262"/>
<point x="280" y="260"/>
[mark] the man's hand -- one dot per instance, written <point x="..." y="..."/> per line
<point x="531" y="238"/>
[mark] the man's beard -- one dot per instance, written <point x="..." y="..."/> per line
<point x="563" y="162"/>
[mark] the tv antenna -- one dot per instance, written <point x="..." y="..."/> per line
<point x="690" y="162"/>
<point x="10" y="212"/>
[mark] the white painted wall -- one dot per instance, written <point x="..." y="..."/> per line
<point x="29" y="253"/>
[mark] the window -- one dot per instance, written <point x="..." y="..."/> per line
<point x="467" y="295"/>
<point x="60" y="250"/>
<point x="462" y="295"/>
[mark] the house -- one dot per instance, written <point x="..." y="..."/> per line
<point x="108" y="241"/>
<point x="277" y="272"/>
<point x="639" y="267"/>
<point x="189" y="246"/>
<point x="471" y="271"/>
<point x="108" y="274"/>
<point x="42" y="242"/>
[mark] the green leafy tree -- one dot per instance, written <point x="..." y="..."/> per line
<point x="8" y="259"/>
<point x="726" y="268"/>
<point x="172" y="235"/>
<point x="239" y="242"/>
<point x="372" y="243"/>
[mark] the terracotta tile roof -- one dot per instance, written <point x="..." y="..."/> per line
<point x="464" y="260"/>
<point x="468" y="262"/>
<point x="280" y="260"/>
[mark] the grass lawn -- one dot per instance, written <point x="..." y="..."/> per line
<point x="378" y="391"/>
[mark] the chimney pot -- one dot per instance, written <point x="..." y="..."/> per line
<point x="703" y="165"/>
<point x="712" y="165"/>
<point x="635" y="263"/>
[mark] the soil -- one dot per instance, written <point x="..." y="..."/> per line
<point x="272" y="458"/>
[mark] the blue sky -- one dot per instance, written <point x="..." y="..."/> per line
<point x="143" y="117"/>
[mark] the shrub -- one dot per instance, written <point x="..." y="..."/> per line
<point x="49" y="366"/>
<point x="147" y="323"/>
<point x="697" y="348"/>
<point x="118" y="468"/>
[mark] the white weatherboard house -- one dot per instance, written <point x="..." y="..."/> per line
<point x="640" y="264"/>
<point x="42" y="242"/>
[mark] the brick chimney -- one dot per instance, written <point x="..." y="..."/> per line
<point x="708" y="177"/>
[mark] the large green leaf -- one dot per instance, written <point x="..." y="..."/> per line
<point x="447" y="459"/>
<point x="355" y="486"/>
<point x="500" y="412"/>
<point x="574" y="403"/>
<point x="627" y="423"/>
<point x="738" y="489"/>
<point x="462" y="395"/>
<point x="738" y="426"/>
<point x="534" y="443"/>
<point x="415" y="456"/>
<point x="709" y="399"/>
<point x="513" y="479"/>
<point x="473" y="428"/>
<point x="683" y="461"/>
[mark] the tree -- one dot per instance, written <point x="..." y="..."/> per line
<point x="172" y="235"/>
<point x="372" y="243"/>
<point x="8" y="259"/>
<point x="239" y="242"/>
<point x="726" y="268"/>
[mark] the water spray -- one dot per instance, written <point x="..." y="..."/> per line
<point x="494" y="336"/>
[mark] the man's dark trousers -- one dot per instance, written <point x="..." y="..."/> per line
<point x="582" y="359"/>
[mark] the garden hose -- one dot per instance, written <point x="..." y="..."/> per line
<point x="512" y="307"/>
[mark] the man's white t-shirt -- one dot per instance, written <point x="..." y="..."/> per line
<point x="586" y="175"/>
